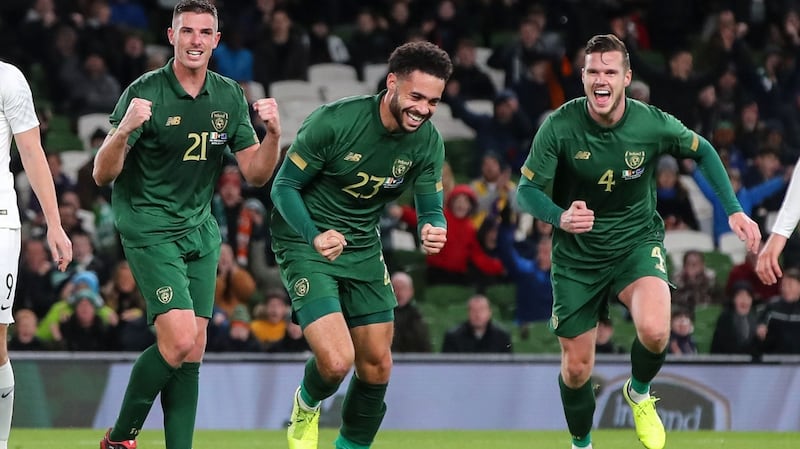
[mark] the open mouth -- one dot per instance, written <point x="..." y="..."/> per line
<point x="602" y="96"/>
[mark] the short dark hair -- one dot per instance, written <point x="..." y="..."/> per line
<point x="423" y="56"/>
<point x="604" y="43"/>
<point x="196" y="6"/>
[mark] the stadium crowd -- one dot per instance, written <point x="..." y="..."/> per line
<point x="729" y="70"/>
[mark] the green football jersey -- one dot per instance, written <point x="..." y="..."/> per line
<point x="358" y="167"/>
<point x="166" y="185"/>
<point x="611" y="169"/>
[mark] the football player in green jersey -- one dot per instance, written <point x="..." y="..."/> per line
<point x="164" y="154"/>
<point x="598" y="154"/>
<point x="349" y="159"/>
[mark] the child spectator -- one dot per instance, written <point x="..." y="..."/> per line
<point x="462" y="261"/>
<point x="681" y="340"/>
<point x="735" y="331"/>
<point x="269" y="325"/>
<point x="24" y="338"/>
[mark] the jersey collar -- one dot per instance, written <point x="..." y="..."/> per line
<point x="176" y="85"/>
<point x="594" y="125"/>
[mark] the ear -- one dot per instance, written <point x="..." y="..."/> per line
<point x="391" y="81"/>
<point x="628" y="77"/>
<point x="170" y="35"/>
<point x="216" y="39"/>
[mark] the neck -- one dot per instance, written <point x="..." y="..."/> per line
<point x="610" y="119"/>
<point x="191" y="80"/>
<point x="387" y="119"/>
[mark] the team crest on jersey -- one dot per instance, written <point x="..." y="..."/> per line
<point x="301" y="287"/>
<point x="634" y="159"/>
<point x="220" y="120"/>
<point x="164" y="294"/>
<point x="400" y="167"/>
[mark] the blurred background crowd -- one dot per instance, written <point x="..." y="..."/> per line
<point x="727" y="69"/>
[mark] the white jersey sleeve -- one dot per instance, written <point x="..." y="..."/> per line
<point x="789" y="214"/>
<point x="17" y="114"/>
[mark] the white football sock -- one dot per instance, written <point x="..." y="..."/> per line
<point x="587" y="447"/>
<point x="6" y="402"/>
<point x="636" y="396"/>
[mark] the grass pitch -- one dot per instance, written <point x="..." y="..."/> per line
<point x="394" y="439"/>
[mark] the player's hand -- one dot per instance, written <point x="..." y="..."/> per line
<point x="577" y="219"/>
<point x="330" y="244"/>
<point x="267" y="110"/>
<point x="139" y="111"/>
<point x="60" y="247"/>
<point x="767" y="267"/>
<point x="746" y="229"/>
<point x="433" y="238"/>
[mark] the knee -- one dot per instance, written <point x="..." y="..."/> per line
<point x="335" y="367"/>
<point x="576" y="372"/>
<point x="654" y="337"/>
<point x="376" y="371"/>
<point x="175" y="350"/>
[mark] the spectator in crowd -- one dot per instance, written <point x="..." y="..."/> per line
<point x="604" y="343"/>
<point x="128" y="14"/>
<point x="232" y="59"/>
<point x="672" y="198"/>
<point x="531" y="276"/>
<point x="411" y="332"/>
<point x="779" y="324"/>
<point x="235" y="286"/>
<point x="35" y="291"/>
<point x="239" y="338"/>
<point x="324" y="46"/>
<point x="473" y="82"/>
<point x="121" y="294"/>
<point x="512" y="57"/>
<point x="242" y="225"/>
<point x="368" y="44"/>
<point x="63" y="61"/>
<point x="84" y="329"/>
<point x="462" y="261"/>
<point x="494" y="189"/>
<point x="63" y="183"/>
<point x="748" y="197"/>
<point x="24" y="337"/>
<point x="538" y="90"/>
<point x="447" y="25"/>
<point x="293" y="341"/>
<point x="85" y="259"/>
<point x="639" y="90"/>
<point x="97" y="90"/>
<point x="681" y="339"/>
<point x="695" y="284"/>
<point x="399" y="25"/>
<point x="133" y="60"/>
<point x="478" y="334"/>
<point x="507" y="131"/>
<point x="281" y="54"/>
<point x="707" y="114"/>
<point x="735" y="330"/>
<point x="746" y="272"/>
<point x="63" y="309"/>
<point x="269" y="323"/>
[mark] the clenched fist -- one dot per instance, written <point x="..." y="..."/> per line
<point x="267" y="110"/>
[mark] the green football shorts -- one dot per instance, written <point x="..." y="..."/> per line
<point x="581" y="294"/>
<point x="180" y="274"/>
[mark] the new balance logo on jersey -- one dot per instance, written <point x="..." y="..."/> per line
<point x="353" y="157"/>
<point x="174" y="121"/>
<point x="583" y="155"/>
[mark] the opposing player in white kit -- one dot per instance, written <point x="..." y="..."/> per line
<point x="768" y="266"/>
<point x="18" y="118"/>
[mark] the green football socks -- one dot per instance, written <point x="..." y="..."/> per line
<point x="644" y="366"/>
<point x="314" y="388"/>
<point x="179" y="401"/>
<point x="362" y="414"/>
<point x="579" y="407"/>
<point x="149" y="375"/>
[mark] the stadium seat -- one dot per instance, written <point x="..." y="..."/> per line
<point x="253" y="90"/>
<point x="72" y="161"/>
<point x="336" y="89"/>
<point x="294" y="90"/>
<point x="449" y="127"/>
<point x="373" y="74"/>
<point x="730" y="244"/>
<point x="88" y="124"/>
<point x="480" y="106"/>
<point x="331" y="71"/>
<point x="677" y="242"/>
<point x="703" y="210"/>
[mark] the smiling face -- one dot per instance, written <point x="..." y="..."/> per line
<point x="605" y="78"/>
<point x="410" y="100"/>
<point x="194" y="36"/>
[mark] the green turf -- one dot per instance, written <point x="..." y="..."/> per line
<point x="616" y="439"/>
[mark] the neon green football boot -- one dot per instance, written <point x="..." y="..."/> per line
<point x="303" y="432"/>
<point x="649" y="428"/>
